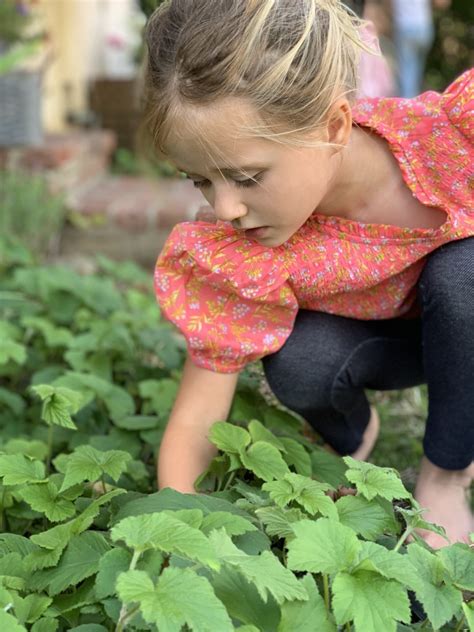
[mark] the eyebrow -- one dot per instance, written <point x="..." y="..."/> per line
<point x="229" y="171"/>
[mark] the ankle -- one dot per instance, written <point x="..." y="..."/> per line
<point x="434" y="475"/>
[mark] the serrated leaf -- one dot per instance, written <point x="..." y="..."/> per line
<point x="311" y="495"/>
<point x="258" y="432"/>
<point x="228" y="437"/>
<point x="323" y="546"/>
<point x="372" y="480"/>
<point x="164" y="605"/>
<point x="113" y="563"/>
<point x="295" y="454"/>
<point x="249" y="607"/>
<point x="165" y="532"/>
<point x="366" y="517"/>
<point x="44" y="498"/>
<point x="161" y="393"/>
<point x="264" y="460"/>
<point x="390" y="564"/>
<point x="459" y="561"/>
<point x="29" y="609"/>
<point x="17" y="469"/>
<point x="299" y="616"/>
<point x="440" y="600"/>
<point x="33" y="449"/>
<point x="80" y="560"/>
<point x="372" y="605"/>
<point x="59" y="403"/>
<point x="278" y="522"/>
<point x="89" y="464"/>
<point x="264" y="571"/>
<point x="233" y="525"/>
<point x="45" y="625"/>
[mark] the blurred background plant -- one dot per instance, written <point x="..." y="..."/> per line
<point x="19" y="35"/>
<point x="31" y="214"/>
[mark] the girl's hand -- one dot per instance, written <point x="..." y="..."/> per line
<point x="206" y="214"/>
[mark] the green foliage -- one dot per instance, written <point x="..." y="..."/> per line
<point x="31" y="214"/>
<point x="88" y="375"/>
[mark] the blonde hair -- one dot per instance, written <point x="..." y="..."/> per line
<point x="290" y="59"/>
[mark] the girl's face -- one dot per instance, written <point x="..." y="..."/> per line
<point x="252" y="182"/>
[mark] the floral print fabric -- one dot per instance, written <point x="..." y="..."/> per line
<point x="235" y="300"/>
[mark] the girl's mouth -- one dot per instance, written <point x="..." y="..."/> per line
<point x="256" y="232"/>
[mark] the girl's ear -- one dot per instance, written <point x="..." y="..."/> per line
<point x="339" y="123"/>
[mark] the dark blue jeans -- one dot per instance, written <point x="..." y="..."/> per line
<point x="327" y="362"/>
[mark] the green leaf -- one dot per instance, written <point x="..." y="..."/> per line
<point x="468" y="609"/>
<point x="80" y="560"/>
<point x="9" y="622"/>
<point x="44" y="498"/>
<point x="296" y="616"/>
<point x="440" y="601"/>
<point x="328" y="467"/>
<point x="113" y="563"/>
<point x="459" y="560"/>
<point x="366" y="517"/>
<point x="29" y="609"/>
<point x="138" y="422"/>
<point x="390" y="564"/>
<point x="278" y="522"/>
<point x="372" y="480"/>
<point x="296" y="455"/>
<point x="264" y="571"/>
<point x="17" y="469"/>
<point x="249" y="607"/>
<point x="89" y="464"/>
<point x="264" y="460"/>
<point x="165" y="532"/>
<point x="161" y="393"/>
<point x="258" y="432"/>
<point x="233" y="525"/>
<point x="11" y="350"/>
<point x="228" y="437"/>
<point x="45" y="625"/>
<point x="323" y="546"/>
<point x="373" y="605"/>
<point x="311" y="495"/>
<point x="59" y="403"/>
<point x="164" y="605"/>
<point x="54" y="336"/>
<point x="12" y="401"/>
<point x="34" y="449"/>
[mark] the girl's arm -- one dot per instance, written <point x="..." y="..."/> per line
<point x="204" y="397"/>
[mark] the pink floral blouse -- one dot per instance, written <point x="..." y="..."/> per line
<point x="235" y="300"/>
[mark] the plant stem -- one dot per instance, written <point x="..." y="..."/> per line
<point x="230" y="479"/>
<point x="460" y="624"/>
<point x="326" y="591"/>
<point x="348" y="627"/>
<point x="50" y="448"/>
<point x="125" y="614"/>
<point x="104" y="488"/>
<point x="403" y="537"/>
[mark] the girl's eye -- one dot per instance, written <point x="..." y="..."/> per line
<point x="202" y="184"/>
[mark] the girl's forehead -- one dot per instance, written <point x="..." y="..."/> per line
<point x="217" y="133"/>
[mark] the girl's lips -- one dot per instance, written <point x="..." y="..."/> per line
<point x="256" y="232"/>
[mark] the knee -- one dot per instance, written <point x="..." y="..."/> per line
<point x="447" y="279"/>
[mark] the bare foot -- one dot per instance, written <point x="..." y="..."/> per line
<point x="445" y="496"/>
<point x="370" y="437"/>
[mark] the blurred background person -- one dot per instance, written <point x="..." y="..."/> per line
<point x="413" y="32"/>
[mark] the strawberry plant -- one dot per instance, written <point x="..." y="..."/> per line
<point x="88" y="375"/>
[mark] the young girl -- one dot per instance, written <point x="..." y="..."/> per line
<point x="343" y="251"/>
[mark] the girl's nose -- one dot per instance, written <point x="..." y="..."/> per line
<point x="228" y="205"/>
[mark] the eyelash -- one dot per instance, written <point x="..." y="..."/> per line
<point x="201" y="184"/>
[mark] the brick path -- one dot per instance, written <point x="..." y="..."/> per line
<point x="120" y="216"/>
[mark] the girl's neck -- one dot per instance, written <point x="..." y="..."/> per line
<point x="367" y="175"/>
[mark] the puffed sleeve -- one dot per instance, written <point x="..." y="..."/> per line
<point x="458" y="103"/>
<point x="228" y="295"/>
